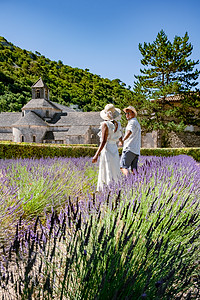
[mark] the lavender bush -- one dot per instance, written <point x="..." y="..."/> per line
<point x="137" y="239"/>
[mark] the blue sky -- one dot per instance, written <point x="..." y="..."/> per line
<point x="100" y="35"/>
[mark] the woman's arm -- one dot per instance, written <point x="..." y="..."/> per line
<point x="103" y="142"/>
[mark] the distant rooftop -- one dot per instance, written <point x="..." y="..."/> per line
<point x="80" y="119"/>
<point x="9" y="118"/>
<point x="39" y="84"/>
<point x="30" y="119"/>
<point x="40" y="103"/>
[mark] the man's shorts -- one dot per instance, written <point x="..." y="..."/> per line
<point x="129" y="159"/>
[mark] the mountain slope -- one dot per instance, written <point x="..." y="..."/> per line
<point x="19" y="69"/>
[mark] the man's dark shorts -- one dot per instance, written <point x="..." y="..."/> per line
<point x="129" y="159"/>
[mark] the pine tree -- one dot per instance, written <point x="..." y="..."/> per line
<point x="167" y="71"/>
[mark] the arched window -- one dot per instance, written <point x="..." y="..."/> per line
<point x="37" y="93"/>
<point x="22" y="138"/>
<point x="46" y="93"/>
<point x="34" y="138"/>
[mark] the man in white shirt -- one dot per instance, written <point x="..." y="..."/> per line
<point x="131" y="142"/>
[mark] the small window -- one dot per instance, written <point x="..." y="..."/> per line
<point x="34" y="138"/>
<point x="22" y="138"/>
<point x="38" y="94"/>
<point x="47" y="114"/>
<point x="46" y="93"/>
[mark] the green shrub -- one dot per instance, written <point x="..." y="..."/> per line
<point x="29" y="150"/>
<point x="26" y="150"/>
<point x="194" y="152"/>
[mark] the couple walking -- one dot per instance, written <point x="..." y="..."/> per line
<point x="110" y="134"/>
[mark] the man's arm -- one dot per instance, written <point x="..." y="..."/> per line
<point x="121" y="140"/>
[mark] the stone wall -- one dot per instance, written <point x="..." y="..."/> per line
<point x="184" y="139"/>
<point x="29" y="132"/>
<point x="94" y="138"/>
<point x="75" y="140"/>
<point x="43" y="113"/>
<point x="159" y="139"/>
<point x="150" y="140"/>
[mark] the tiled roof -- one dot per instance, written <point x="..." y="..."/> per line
<point x="30" y="119"/>
<point x="39" y="84"/>
<point x="80" y="118"/>
<point x="60" y="119"/>
<point x="6" y="136"/>
<point x="9" y="118"/>
<point x="175" y="98"/>
<point x="172" y="98"/>
<point x="40" y="104"/>
<point x="59" y="135"/>
<point x="78" y="130"/>
<point x="63" y="107"/>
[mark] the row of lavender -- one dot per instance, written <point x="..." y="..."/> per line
<point x="137" y="239"/>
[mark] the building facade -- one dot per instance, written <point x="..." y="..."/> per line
<point x="43" y="121"/>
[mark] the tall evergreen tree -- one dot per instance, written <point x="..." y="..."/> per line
<point x="167" y="71"/>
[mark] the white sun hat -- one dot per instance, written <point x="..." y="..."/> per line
<point x="110" y="112"/>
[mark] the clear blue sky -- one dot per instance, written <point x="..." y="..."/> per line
<point x="100" y="35"/>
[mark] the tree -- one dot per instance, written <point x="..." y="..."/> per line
<point x="19" y="69"/>
<point x="167" y="71"/>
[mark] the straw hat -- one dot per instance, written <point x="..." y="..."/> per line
<point x="132" y="109"/>
<point x="110" y="112"/>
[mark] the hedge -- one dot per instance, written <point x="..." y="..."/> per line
<point x="28" y="150"/>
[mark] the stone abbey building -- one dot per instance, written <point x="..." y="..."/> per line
<point x="43" y="121"/>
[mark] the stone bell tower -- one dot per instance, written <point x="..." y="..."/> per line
<point x="40" y="90"/>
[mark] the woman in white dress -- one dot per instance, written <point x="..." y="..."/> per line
<point x="110" y="133"/>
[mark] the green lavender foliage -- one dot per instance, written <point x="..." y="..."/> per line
<point x="137" y="239"/>
<point x="109" y="256"/>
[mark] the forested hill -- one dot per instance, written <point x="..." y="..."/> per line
<point x="20" y="69"/>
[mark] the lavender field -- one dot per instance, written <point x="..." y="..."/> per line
<point x="138" y="239"/>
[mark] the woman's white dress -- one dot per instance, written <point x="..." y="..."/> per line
<point x="109" y="164"/>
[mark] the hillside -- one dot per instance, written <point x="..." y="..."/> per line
<point x="19" y="69"/>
